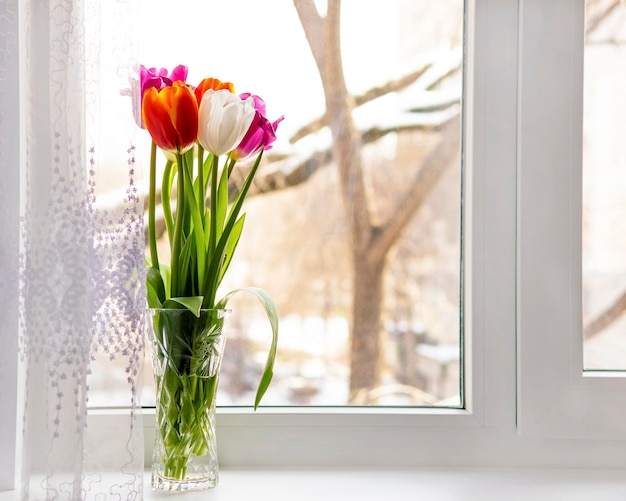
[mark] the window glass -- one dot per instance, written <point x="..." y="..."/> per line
<point x="341" y="341"/>
<point x="604" y="185"/>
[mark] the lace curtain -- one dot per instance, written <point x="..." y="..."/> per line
<point x="9" y="239"/>
<point x="76" y="290"/>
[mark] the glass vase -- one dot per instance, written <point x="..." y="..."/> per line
<point x="186" y="357"/>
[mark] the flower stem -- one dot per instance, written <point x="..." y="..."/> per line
<point x="201" y="194"/>
<point x="151" y="209"/>
<point x="166" y="189"/>
<point x="231" y="166"/>
<point x="213" y="229"/>
<point x="178" y="227"/>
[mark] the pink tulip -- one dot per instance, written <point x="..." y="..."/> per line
<point x="260" y="135"/>
<point x="159" y="78"/>
<point x="149" y="78"/>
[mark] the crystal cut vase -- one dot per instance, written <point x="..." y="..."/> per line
<point x="186" y="357"/>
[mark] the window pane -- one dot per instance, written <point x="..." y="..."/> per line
<point x="604" y="186"/>
<point x="402" y="61"/>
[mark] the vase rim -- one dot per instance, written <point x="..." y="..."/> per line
<point x="181" y="309"/>
<point x="202" y="310"/>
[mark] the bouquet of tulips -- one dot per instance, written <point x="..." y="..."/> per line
<point x="203" y="132"/>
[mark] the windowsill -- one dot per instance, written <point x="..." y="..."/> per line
<point x="428" y="484"/>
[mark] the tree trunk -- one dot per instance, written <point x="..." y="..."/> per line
<point x="324" y="39"/>
<point x="369" y="243"/>
<point x="365" y="349"/>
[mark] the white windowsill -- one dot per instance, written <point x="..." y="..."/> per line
<point x="423" y="484"/>
<point x="400" y="485"/>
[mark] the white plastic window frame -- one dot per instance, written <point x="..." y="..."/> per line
<point x="557" y="398"/>
<point x="528" y="401"/>
<point x="348" y="436"/>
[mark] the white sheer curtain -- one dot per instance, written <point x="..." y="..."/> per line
<point x="77" y="287"/>
<point x="9" y="236"/>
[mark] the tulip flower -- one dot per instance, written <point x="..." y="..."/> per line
<point x="159" y="78"/>
<point x="148" y="78"/>
<point x="212" y="83"/>
<point x="259" y="103"/>
<point x="260" y="135"/>
<point x="223" y="120"/>
<point x="171" y="116"/>
<point x="203" y="231"/>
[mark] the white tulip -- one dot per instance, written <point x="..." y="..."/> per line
<point x="223" y="120"/>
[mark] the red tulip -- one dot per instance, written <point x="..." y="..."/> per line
<point x="171" y="116"/>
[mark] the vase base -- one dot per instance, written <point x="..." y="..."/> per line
<point x="160" y="483"/>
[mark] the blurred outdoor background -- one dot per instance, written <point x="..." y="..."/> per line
<point x="354" y="223"/>
<point x="604" y="186"/>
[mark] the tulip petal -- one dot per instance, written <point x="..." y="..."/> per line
<point x="157" y="119"/>
<point x="214" y="84"/>
<point x="260" y="135"/>
<point x="223" y="120"/>
<point x="171" y="116"/>
<point x="179" y="73"/>
<point x="149" y="78"/>
<point x="259" y="103"/>
<point x="184" y="116"/>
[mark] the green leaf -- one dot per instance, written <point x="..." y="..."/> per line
<point x="184" y="261"/>
<point x="152" y="296"/>
<point x="222" y="203"/>
<point x="166" y="190"/>
<point x="213" y="222"/>
<point x="197" y="229"/>
<point x="166" y="274"/>
<point x="208" y="165"/>
<point x="207" y="224"/>
<point x="217" y="258"/>
<point x="155" y="288"/>
<point x="272" y="315"/>
<point x="192" y="303"/>
<point x="231" y="245"/>
<point x="236" y="207"/>
<point x="177" y="238"/>
<point x="189" y="156"/>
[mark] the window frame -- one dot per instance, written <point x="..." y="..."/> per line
<point x="557" y="397"/>
<point x="493" y="429"/>
<point x="507" y="420"/>
<point x="420" y="436"/>
<point x="507" y="324"/>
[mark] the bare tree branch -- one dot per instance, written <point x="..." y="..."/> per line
<point x="609" y="316"/>
<point x="370" y="95"/>
<point x="291" y="172"/>
<point x="430" y="171"/>
<point x="313" y="26"/>
<point x="595" y="20"/>
<point x="295" y="172"/>
<point x="394" y="85"/>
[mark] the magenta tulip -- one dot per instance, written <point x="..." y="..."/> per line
<point x="260" y="135"/>
<point x="159" y="78"/>
<point x="149" y="78"/>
